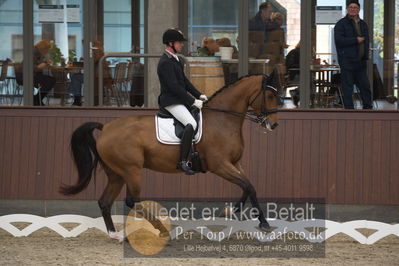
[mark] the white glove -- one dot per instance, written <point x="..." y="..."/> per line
<point x="198" y="103"/>
<point x="203" y="97"/>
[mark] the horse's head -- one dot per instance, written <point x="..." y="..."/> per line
<point x="265" y="105"/>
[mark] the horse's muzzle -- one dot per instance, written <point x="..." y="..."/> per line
<point x="274" y="125"/>
<point x="270" y="126"/>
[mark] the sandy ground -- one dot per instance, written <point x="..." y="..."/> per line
<point x="45" y="247"/>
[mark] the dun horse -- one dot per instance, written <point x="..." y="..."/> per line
<point x="129" y="144"/>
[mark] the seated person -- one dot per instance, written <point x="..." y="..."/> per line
<point x="292" y="61"/>
<point x="40" y="60"/>
<point x="75" y="88"/>
<point x="225" y="42"/>
<point x="208" y="47"/>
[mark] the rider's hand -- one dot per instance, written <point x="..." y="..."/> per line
<point x="198" y="103"/>
<point x="203" y="98"/>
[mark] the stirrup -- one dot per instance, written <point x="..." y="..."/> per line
<point x="183" y="165"/>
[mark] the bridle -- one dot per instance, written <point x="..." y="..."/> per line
<point x="256" y="117"/>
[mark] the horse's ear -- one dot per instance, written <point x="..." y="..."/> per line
<point x="271" y="79"/>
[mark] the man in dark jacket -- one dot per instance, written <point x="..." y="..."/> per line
<point x="175" y="89"/>
<point x="262" y="20"/>
<point x="352" y="42"/>
<point x="259" y="28"/>
<point x="292" y="61"/>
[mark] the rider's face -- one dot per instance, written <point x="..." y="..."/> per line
<point x="179" y="46"/>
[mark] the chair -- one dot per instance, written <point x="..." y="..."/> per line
<point x="3" y="80"/>
<point x="60" y="89"/>
<point x="336" y="83"/>
<point x="129" y="80"/>
<point x="9" y="88"/>
<point x="282" y="81"/>
<point x="135" y="82"/>
<point x="17" y="79"/>
<point x="327" y="86"/>
<point x="16" y="83"/>
<point x="116" y="93"/>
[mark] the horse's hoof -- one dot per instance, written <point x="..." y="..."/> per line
<point x="264" y="226"/>
<point x="115" y="235"/>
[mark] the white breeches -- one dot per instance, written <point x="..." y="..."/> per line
<point x="180" y="112"/>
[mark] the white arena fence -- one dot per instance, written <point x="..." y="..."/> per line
<point x="332" y="228"/>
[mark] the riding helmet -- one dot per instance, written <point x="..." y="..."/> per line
<point x="173" y="35"/>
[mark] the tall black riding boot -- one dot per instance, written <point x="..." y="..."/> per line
<point x="185" y="148"/>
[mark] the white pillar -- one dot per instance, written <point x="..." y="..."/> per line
<point x="61" y="32"/>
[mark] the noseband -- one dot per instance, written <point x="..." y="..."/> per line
<point x="259" y="118"/>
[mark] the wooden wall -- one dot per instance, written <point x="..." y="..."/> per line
<point x="346" y="157"/>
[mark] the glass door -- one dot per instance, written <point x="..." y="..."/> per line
<point x="58" y="52"/>
<point x="11" y="52"/>
<point x="119" y="32"/>
<point x="79" y="33"/>
<point x="385" y="51"/>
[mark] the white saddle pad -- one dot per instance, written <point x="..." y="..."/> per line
<point x="166" y="131"/>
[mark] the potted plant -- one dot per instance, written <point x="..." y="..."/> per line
<point x="72" y="56"/>
<point x="55" y="55"/>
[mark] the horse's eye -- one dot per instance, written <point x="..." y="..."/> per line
<point x="270" y="97"/>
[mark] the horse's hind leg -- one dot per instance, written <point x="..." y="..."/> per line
<point x="112" y="190"/>
<point x="234" y="175"/>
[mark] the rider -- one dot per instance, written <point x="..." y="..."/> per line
<point x="175" y="89"/>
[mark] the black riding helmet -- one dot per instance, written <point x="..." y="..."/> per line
<point x="173" y="35"/>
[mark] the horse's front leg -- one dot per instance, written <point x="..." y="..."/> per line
<point x="231" y="173"/>
<point x="244" y="197"/>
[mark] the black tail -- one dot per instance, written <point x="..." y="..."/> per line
<point x="83" y="148"/>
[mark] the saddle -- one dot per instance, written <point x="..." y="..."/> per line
<point x="170" y="131"/>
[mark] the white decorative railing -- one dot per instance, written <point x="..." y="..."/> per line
<point x="332" y="228"/>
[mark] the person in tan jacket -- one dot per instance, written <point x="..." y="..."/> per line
<point x="275" y="44"/>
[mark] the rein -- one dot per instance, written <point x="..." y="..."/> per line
<point x="259" y="118"/>
<point x="247" y="115"/>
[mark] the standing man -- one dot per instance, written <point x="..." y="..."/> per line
<point x="352" y="42"/>
<point x="259" y="28"/>
<point x="177" y="92"/>
<point x="262" y="21"/>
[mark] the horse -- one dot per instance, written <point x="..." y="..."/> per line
<point x="128" y="144"/>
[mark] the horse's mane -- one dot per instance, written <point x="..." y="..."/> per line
<point x="230" y="84"/>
